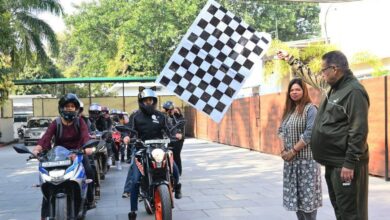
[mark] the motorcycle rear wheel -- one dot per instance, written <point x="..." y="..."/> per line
<point x="162" y="203"/>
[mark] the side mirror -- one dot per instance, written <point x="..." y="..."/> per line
<point x="21" y="149"/>
<point x="90" y="143"/>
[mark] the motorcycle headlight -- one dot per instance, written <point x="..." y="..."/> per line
<point x="158" y="155"/>
<point x="56" y="174"/>
<point x="69" y="175"/>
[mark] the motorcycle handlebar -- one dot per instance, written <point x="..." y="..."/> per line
<point x="31" y="157"/>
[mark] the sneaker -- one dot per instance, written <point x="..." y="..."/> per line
<point x="118" y="165"/>
<point x="109" y="161"/>
<point x="132" y="215"/>
<point x="125" y="195"/>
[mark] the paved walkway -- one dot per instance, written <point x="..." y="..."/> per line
<point x="219" y="182"/>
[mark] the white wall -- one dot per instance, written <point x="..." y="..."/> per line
<point x="6" y="129"/>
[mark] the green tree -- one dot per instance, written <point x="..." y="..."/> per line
<point x="26" y="33"/>
<point x="137" y="37"/>
<point x="372" y="60"/>
<point x="310" y="55"/>
<point x="93" y="37"/>
<point x="286" y="21"/>
<point x="154" y="30"/>
<point x="39" y="71"/>
<point x="26" y="40"/>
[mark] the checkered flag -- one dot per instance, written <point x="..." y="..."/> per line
<point x="213" y="59"/>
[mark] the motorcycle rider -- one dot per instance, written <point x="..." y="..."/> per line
<point x="176" y="116"/>
<point x="94" y="113"/>
<point x="104" y="123"/>
<point x="114" y="115"/>
<point x="71" y="137"/>
<point x="117" y="147"/>
<point x="149" y="124"/>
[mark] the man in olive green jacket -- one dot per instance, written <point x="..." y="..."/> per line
<point x="339" y="135"/>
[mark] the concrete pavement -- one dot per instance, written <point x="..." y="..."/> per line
<point x="219" y="182"/>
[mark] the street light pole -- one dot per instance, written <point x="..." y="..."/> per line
<point x="326" y="25"/>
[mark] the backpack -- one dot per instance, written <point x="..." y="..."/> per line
<point x="76" y="123"/>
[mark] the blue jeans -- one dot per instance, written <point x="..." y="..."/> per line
<point x="132" y="183"/>
<point x="127" y="186"/>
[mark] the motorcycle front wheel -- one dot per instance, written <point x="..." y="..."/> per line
<point x="61" y="210"/>
<point x="162" y="203"/>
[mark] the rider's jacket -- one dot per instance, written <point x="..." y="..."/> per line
<point x="103" y="124"/>
<point x="150" y="126"/>
<point x="71" y="137"/>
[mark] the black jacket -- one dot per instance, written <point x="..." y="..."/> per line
<point x="103" y="124"/>
<point x="178" y="118"/>
<point x="150" y="126"/>
<point x="339" y="135"/>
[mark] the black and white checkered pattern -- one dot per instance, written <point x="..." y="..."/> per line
<point x="213" y="59"/>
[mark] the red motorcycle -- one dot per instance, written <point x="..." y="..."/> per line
<point x="118" y="148"/>
<point x="154" y="160"/>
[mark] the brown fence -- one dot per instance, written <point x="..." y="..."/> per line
<point x="253" y="122"/>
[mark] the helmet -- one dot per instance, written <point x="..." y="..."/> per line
<point x="115" y="112"/>
<point x="168" y="105"/>
<point x="105" y="109"/>
<point x="68" y="98"/>
<point x="147" y="93"/>
<point x="94" y="110"/>
<point x="115" y="115"/>
<point x="95" y="107"/>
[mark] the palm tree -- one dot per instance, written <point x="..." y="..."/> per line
<point x="29" y="34"/>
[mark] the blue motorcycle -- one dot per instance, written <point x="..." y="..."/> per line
<point x="63" y="180"/>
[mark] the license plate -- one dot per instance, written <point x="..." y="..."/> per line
<point x="56" y="163"/>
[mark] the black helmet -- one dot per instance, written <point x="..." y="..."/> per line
<point x="147" y="93"/>
<point x="168" y="105"/>
<point x="68" y="98"/>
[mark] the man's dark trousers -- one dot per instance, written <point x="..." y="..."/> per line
<point x="349" y="202"/>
